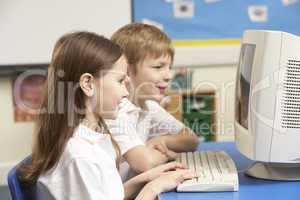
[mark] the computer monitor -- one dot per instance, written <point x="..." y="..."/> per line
<point x="267" y="104"/>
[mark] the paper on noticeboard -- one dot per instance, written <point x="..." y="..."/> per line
<point x="289" y="2"/>
<point x="184" y="9"/>
<point x="258" y="13"/>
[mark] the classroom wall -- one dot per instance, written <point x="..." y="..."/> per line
<point x="222" y="79"/>
<point x="15" y="138"/>
<point x="214" y="68"/>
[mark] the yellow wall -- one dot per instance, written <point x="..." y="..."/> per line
<point x="15" y="138"/>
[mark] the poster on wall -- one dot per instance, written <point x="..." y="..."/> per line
<point x="27" y="96"/>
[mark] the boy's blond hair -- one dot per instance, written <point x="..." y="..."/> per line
<point x="140" y="40"/>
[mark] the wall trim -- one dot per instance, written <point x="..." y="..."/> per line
<point x="206" y="55"/>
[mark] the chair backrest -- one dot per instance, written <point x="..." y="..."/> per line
<point x="16" y="190"/>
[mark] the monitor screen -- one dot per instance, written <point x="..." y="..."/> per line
<point x="243" y="84"/>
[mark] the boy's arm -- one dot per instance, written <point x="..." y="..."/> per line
<point x="186" y="140"/>
<point x="139" y="157"/>
<point x="142" y="158"/>
<point x="179" y="137"/>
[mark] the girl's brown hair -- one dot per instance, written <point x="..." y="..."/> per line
<point x="74" y="54"/>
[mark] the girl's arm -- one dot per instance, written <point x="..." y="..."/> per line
<point x="147" y="193"/>
<point x="134" y="185"/>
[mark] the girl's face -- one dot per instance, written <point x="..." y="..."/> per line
<point x="111" y="89"/>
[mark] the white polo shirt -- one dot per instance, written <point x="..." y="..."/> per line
<point x="86" y="170"/>
<point x="134" y="126"/>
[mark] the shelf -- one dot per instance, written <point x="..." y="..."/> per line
<point x="195" y="109"/>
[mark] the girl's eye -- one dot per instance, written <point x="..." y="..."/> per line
<point x="157" y="67"/>
<point x="121" y="80"/>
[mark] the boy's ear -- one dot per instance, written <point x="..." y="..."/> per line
<point x="86" y="83"/>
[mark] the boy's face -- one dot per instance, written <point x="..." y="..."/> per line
<point x="151" y="77"/>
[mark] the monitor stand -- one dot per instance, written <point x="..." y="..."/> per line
<point x="275" y="171"/>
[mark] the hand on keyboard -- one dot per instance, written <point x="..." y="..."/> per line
<point x="162" y="169"/>
<point x="171" y="179"/>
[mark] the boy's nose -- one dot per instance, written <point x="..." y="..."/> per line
<point x="168" y="76"/>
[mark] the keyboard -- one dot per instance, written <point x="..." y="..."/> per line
<point x="215" y="169"/>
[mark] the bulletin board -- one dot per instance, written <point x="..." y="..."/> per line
<point x="217" y="19"/>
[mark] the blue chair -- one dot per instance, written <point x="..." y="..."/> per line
<point x="17" y="191"/>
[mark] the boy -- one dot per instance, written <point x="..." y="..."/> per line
<point x="146" y="133"/>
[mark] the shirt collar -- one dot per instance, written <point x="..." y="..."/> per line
<point x="88" y="134"/>
<point x="127" y="106"/>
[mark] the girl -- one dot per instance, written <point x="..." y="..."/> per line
<point x="74" y="155"/>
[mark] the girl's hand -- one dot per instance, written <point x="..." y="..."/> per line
<point x="162" y="169"/>
<point x="170" y="180"/>
<point x="164" y="180"/>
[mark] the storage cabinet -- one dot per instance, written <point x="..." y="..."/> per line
<point x="195" y="109"/>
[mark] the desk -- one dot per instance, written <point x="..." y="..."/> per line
<point x="249" y="188"/>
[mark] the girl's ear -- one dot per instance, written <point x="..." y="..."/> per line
<point x="86" y="83"/>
